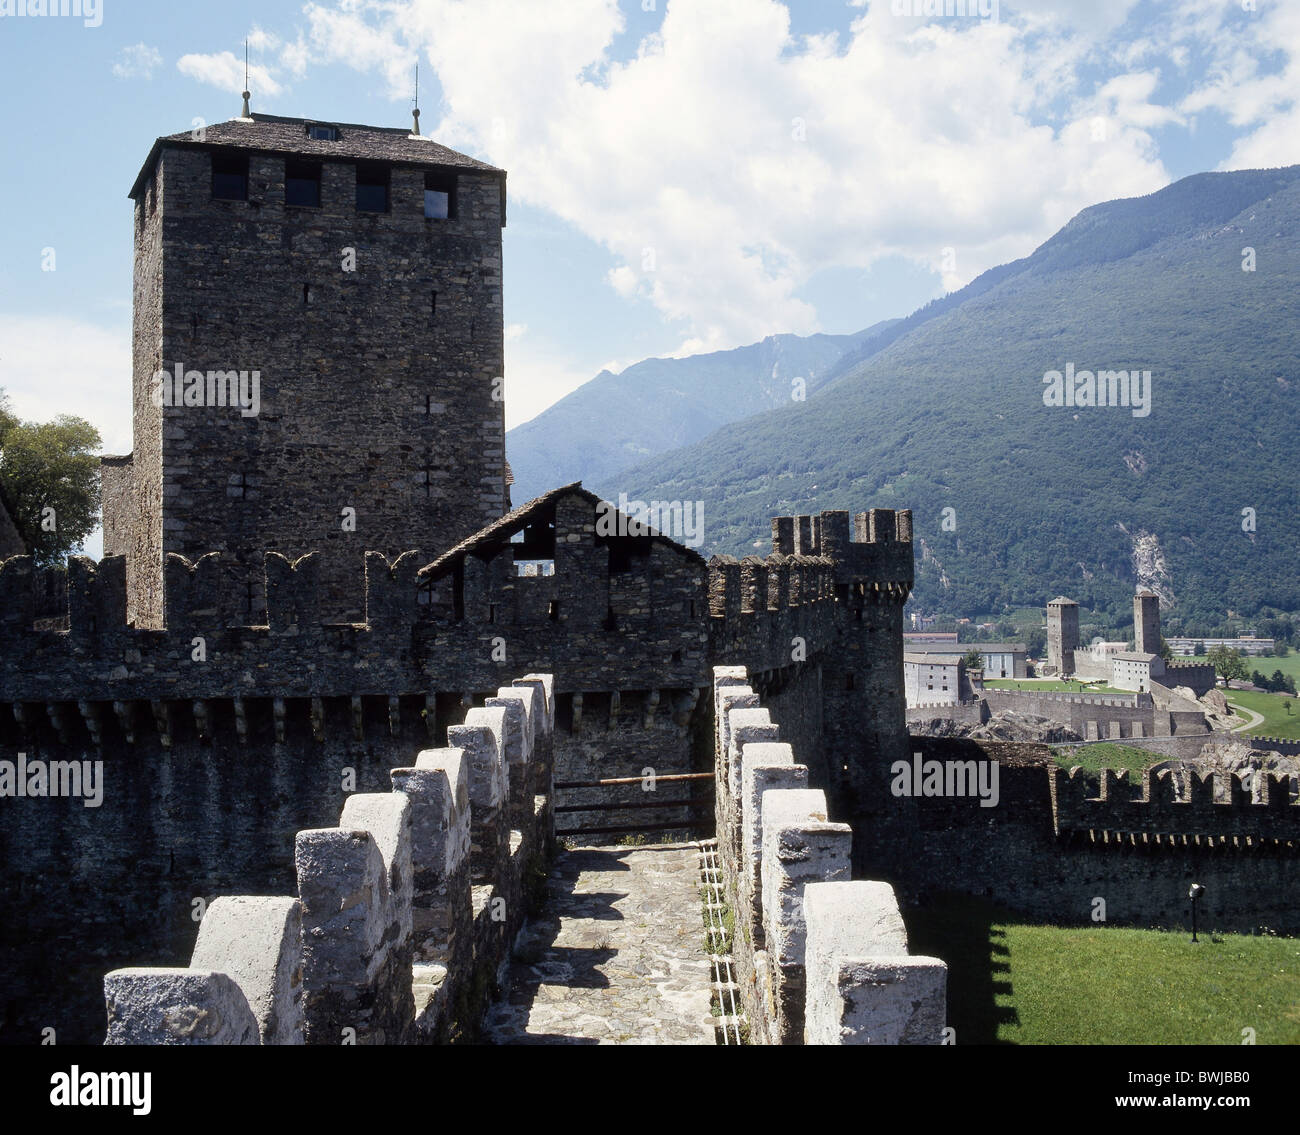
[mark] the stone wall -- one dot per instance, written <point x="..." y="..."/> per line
<point x="967" y="713"/>
<point x="412" y="440"/>
<point x="1199" y="677"/>
<point x="192" y="717"/>
<point x="404" y="914"/>
<point x="11" y="543"/>
<point x="820" y="959"/>
<point x="1101" y="717"/>
<point x="1052" y="844"/>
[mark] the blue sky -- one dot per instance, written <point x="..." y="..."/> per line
<point x="683" y="176"/>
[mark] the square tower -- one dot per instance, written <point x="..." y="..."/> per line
<point x="1062" y="634"/>
<point x="1146" y="622"/>
<point x="318" y="356"/>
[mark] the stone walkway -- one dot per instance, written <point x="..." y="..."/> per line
<point x="617" y="957"/>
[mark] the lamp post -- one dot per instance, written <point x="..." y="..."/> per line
<point x="1195" y="893"/>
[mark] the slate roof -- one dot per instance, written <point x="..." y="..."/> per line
<point x="270" y="133"/>
<point x="487" y="541"/>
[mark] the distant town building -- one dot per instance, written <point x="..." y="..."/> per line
<point x="1247" y="644"/>
<point x="1000" y="659"/>
<point x="929" y="636"/>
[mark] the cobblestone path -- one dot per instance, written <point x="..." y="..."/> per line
<point x="616" y="957"/>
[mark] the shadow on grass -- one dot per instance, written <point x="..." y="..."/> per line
<point x="963" y="931"/>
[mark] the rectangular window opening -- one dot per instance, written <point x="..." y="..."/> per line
<point x="302" y="184"/>
<point x="439" y="196"/>
<point x="323" y="133"/>
<point x="230" y="177"/>
<point x="372" y="189"/>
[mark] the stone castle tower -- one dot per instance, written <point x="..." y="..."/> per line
<point x="325" y="303"/>
<point x="1146" y="622"/>
<point x="1062" y="634"/>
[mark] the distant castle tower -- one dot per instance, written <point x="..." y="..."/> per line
<point x="1062" y="634"/>
<point x="342" y="284"/>
<point x="1146" y="622"/>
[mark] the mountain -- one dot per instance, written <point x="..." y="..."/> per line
<point x="1194" y="499"/>
<point x="617" y="420"/>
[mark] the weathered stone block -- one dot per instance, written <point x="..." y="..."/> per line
<point x="257" y="941"/>
<point x="177" y="1006"/>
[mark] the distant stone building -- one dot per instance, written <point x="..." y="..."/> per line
<point x="1000" y="659"/>
<point x="1146" y="622"/>
<point x="1134" y="670"/>
<point x="324" y="300"/>
<point x="932" y="679"/>
<point x="1062" y="635"/>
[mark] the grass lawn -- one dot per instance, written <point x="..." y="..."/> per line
<point x="1053" y="686"/>
<point x="1094" y="758"/>
<point x="1264" y="663"/>
<point x="1014" y="983"/>
<point x="1277" y="722"/>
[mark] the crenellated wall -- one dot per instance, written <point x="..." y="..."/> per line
<point x="820" y="959"/>
<point x="404" y="913"/>
<point x="219" y="740"/>
<point x="1219" y="809"/>
<point x="1052" y="843"/>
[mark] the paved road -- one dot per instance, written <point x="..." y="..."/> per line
<point x="1255" y="718"/>
<point x="617" y="956"/>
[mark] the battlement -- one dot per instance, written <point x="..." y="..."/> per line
<point x="821" y="959"/>
<point x="1217" y="809"/>
<point x="405" y="912"/>
<point x="1287" y="746"/>
<point x="1134" y="701"/>
<point x="875" y="554"/>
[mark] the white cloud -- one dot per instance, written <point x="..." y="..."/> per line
<point x="55" y="364"/>
<point x="729" y="160"/>
<point x="136" y="62"/>
<point x="515" y="331"/>
<point x="222" y="69"/>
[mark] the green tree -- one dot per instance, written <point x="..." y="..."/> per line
<point x="974" y="660"/>
<point x="1198" y="649"/>
<point x="1164" y="651"/>
<point x="1229" y="664"/>
<point x="49" y="474"/>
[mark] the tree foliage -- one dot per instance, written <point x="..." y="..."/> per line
<point x="49" y="475"/>
<point x="1229" y="664"/>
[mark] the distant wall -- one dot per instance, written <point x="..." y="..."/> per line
<point x="1051" y="861"/>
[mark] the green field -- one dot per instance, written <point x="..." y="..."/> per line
<point x="1094" y="758"/>
<point x="1052" y="686"/>
<point x="1014" y="983"/>
<point x="1277" y="721"/>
